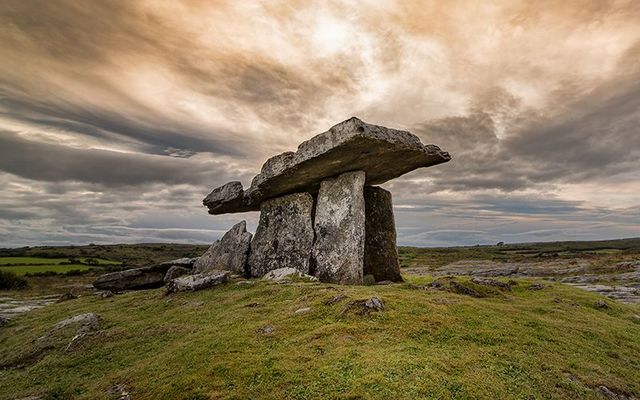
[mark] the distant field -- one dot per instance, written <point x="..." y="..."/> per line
<point x="31" y="265"/>
<point x="52" y="261"/>
<point x="31" y="269"/>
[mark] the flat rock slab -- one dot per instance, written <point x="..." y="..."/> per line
<point x="133" y="279"/>
<point x="351" y="145"/>
<point x="190" y="283"/>
<point x="229" y="253"/>
<point x="284" y="236"/>
<point x="338" y="251"/>
<point x="380" y="250"/>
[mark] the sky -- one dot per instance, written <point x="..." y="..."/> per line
<point x="118" y="117"/>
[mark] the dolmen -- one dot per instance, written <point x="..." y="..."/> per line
<point x="321" y="212"/>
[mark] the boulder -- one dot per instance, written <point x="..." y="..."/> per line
<point x="133" y="279"/>
<point x="175" y="272"/>
<point x="380" y="251"/>
<point x="284" y="274"/>
<point x="181" y="262"/>
<point x="351" y="145"/>
<point x="284" y="235"/>
<point x="229" y="253"/>
<point x="189" y="283"/>
<point x="338" y="251"/>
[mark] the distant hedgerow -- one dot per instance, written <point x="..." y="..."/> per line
<point x="10" y="281"/>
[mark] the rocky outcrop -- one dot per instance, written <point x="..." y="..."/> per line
<point x="284" y="235"/>
<point x="190" y="283"/>
<point x="175" y="272"/>
<point x="380" y="250"/>
<point x="287" y="274"/>
<point x="351" y="145"/>
<point x="140" y="278"/>
<point x="229" y="253"/>
<point x="339" y="225"/>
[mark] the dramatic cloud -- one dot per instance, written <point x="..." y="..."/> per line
<point x="117" y="117"/>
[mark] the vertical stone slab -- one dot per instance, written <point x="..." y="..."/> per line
<point x="338" y="251"/>
<point x="380" y="251"/>
<point x="229" y="253"/>
<point x="284" y="236"/>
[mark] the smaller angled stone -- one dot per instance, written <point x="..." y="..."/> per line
<point x="225" y="199"/>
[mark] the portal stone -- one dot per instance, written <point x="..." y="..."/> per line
<point x="284" y="235"/>
<point x="380" y="251"/>
<point x="338" y="251"/>
<point x="229" y="253"/>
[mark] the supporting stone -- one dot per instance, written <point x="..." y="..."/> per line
<point x="229" y="253"/>
<point x="284" y="236"/>
<point x="380" y="251"/>
<point x="338" y="251"/>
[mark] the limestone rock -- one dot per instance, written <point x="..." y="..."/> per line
<point x="175" y="272"/>
<point x="282" y="274"/>
<point x="351" y="145"/>
<point x="380" y="251"/>
<point x="133" y="279"/>
<point x="229" y="253"/>
<point x="181" y="262"/>
<point x="338" y="251"/>
<point x="190" y="283"/>
<point x="284" y="235"/>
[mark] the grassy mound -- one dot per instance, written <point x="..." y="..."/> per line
<point x="254" y="341"/>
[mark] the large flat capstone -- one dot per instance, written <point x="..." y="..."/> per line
<point x="284" y="235"/>
<point x="339" y="223"/>
<point x="382" y="153"/>
<point x="380" y="251"/>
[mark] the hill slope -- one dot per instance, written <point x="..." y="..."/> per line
<point x="247" y="341"/>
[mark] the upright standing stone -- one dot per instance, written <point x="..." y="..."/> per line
<point x="380" y="251"/>
<point x="284" y="235"/>
<point x="338" y="251"/>
<point x="229" y="253"/>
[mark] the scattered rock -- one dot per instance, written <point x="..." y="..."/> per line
<point x="175" y="272"/>
<point x="3" y="320"/>
<point x="245" y="283"/>
<point x="363" y="307"/>
<point x="611" y="395"/>
<point x="86" y="322"/>
<point x="462" y="289"/>
<point x="119" y="392"/>
<point x="351" y="145"/>
<point x="229" y="253"/>
<point x="601" y="304"/>
<point x="284" y="235"/>
<point x="385" y="283"/>
<point x="133" y="279"/>
<point x="104" y="294"/>
<point x="285" y="274"/>
<point x="253" y="305"/>
<point x="303" y="310"/>
<point x="536" y="286"/>
<point x="197" y="281"/>
<point x="380" y="249"/>
<point x="335" y="299"/>
<point x="491" y="282"/>
<point x="338" y="251"/>
<point x="67" y="296"/>
<point x="265" y="330"/>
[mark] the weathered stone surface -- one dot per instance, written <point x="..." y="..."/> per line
<point x="380" y="251"/>
<point x="283" y="274"/>
<point x="226" y="198"/>
<point x="181" y="262"/>
<point x="338" y="251"/>
<point x="133" y="279"/>
<point x="229" y="253"/>
<point x="284" y="235"/>
<point x="189" y="283"/>
<point x="351" y="145"/>
<point x="175" y="272"/>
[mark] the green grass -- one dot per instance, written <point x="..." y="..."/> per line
<point x="520" y="344"/>
<point x="31" y="269"/>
